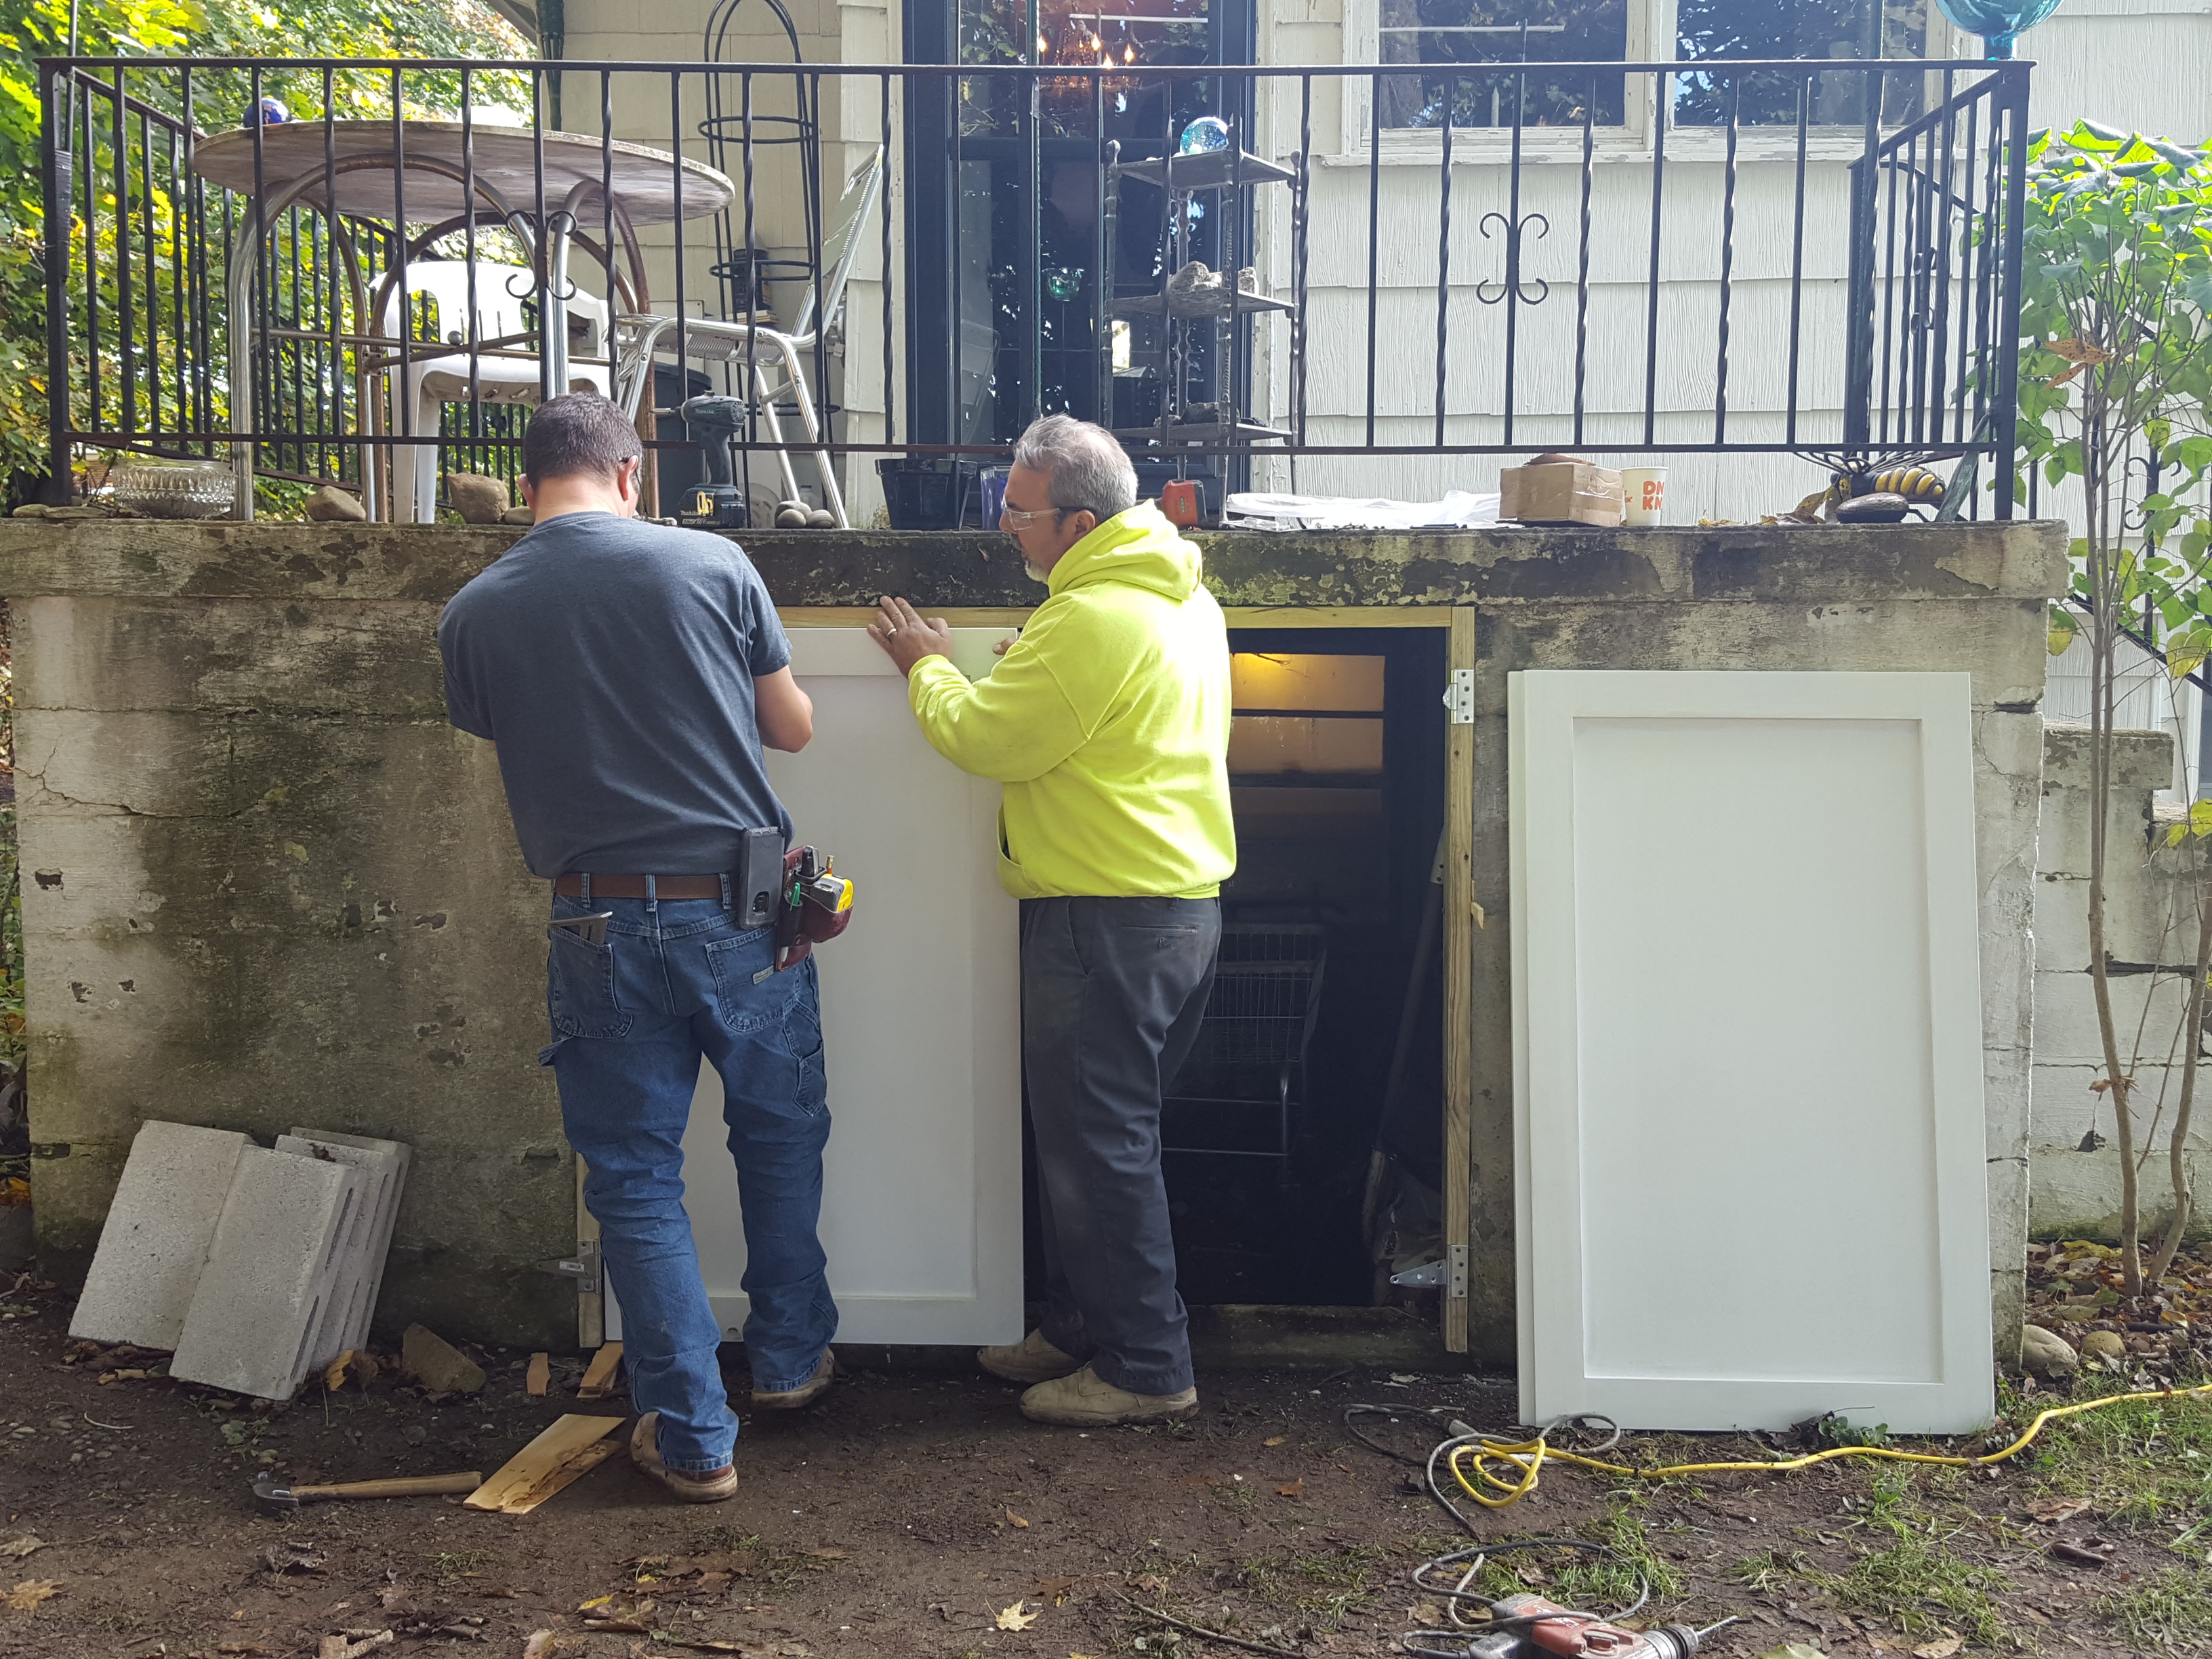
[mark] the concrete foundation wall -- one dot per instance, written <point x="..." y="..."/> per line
<point x="265" y="885"/>
<point x="2151" y="911"/>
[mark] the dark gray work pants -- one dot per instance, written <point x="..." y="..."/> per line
<point x="1112" y="993"/>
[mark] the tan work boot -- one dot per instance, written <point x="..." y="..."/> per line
<point x="703" y="1486"/>
<point x="1032" y="1359"/>
<point x="1087" y="1400"/>
<point x="791" y="1400"/>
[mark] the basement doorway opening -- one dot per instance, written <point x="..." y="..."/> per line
<point x="1304" y="1136"/>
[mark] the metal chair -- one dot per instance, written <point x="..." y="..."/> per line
<point x="752" y="350"/>
<point x="489" y="361"/>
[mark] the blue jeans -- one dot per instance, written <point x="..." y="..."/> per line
<point x="675" y="980"/>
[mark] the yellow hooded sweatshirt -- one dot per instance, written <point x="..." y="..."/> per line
<point x="1107" y="722"/>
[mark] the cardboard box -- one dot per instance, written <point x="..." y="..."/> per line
<point x="1560" y="492"/>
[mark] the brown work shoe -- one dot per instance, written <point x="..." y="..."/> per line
<point x="791" y="1400"/>
<point x="1032" y="1359"/>
<point x="1087" y="1400"/>
<point x="688" y="1487"/>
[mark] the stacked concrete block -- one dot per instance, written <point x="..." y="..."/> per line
<point x="383" y="1164"/>
<point x="158" y="1231"/>
<point x="272" y="1268"/>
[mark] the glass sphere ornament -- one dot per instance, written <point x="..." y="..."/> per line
<point x="269" y="112"/>
<point x="1208" y="132"/>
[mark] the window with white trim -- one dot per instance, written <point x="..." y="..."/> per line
<point x="1484" y="61"/>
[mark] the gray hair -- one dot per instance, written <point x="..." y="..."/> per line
<point x="1089" y="469"/>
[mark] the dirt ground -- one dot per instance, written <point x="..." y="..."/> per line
<point x="915" y="1513"/>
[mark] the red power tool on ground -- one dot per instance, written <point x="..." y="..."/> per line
<point x="1535" y="1636"/>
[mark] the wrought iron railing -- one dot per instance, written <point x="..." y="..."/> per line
<point x="1755" y="258"/>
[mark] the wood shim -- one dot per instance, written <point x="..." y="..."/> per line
<point x="600" y="1376"/>
<point x="539" y="1376"/>
<point x="574" y="1446"/>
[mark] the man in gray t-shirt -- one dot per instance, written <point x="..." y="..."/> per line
<point x="631" y="675"/>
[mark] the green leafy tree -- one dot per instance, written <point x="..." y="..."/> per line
<point x="2116" y="380"/>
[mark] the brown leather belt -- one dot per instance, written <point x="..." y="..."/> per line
<point x="633" y="887"/>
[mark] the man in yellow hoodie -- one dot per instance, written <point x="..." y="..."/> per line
<point x="1107" y="723"/>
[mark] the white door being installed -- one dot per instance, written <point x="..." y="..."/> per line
<point x="1749" y="1149"/>
<point x="921" y="1212"/>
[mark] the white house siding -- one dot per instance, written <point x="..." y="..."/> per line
<point x="2144" y="64"/>
<point x="671" y="31"/>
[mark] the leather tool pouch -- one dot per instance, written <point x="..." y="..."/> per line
<point x="817" y="906"/>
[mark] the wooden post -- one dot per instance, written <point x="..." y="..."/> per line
<point x="1460" y="919"/>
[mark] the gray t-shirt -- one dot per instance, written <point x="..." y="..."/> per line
<point x="613" y="664"/>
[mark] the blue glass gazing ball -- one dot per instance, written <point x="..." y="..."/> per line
<point x="1208" y="132"/>
<point x="269" y="112"/>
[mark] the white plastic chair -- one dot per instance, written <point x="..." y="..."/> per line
<point x="778" y="356"/>
<point x="504" y="374"/>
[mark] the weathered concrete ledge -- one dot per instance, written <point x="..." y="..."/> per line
<point x="2023" y="560"/>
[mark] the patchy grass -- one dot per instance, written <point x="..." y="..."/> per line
<point x="1580" y="1578"/>
<point x="1332" y="1587"/>
<point x="458" y="1561"/>
<point x="1770" y="1570"/>
<point x="2138" y="1461"/>
<point x="1914" y="1581"/>
<point x="2173" y="1610"/>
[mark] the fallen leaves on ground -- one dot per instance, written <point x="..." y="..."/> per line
<point x="605" y="1613"/>
<point x="539" y="1646"/>
<point x="21" y="1545"/>
<point x="1146" y="1584"/>
<point x="1276" y="1440"/>
<point x="1054" y="1590"/>
<point x="1013" y="1618"/>
<point x="1293" y="1489"/>
<point x="2052" y="1510"/>
<point x="1015" y="1520"/>
<point x="1942" y="1648"/>
<point x="27" y="1595"/>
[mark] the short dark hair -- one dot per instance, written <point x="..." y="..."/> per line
<point x="579" y="432"/>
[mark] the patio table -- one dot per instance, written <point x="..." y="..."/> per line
<point x="549" y="188"/>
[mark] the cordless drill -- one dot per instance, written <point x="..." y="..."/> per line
<point x="1570" y="1636"/>
<point x="717" y="504"/>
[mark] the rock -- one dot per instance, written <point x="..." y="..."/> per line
<point x="2073" y="1315"/>
<point x="1880" y="508"/>
<point x="331" y="505"/>
<point x="2046" y="1353"/>
<point x="437" y="1365"/>
<point x="792" y="517"/>
<point x="477" y="499"/>
<point x="822" y="519"/>
<point x="518" y="515"/>
<point x="2102" y="1345"/>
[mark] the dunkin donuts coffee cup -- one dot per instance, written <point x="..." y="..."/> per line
<point x="1643" y="494"/>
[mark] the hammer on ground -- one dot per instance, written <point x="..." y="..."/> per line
<point x="275" y="1496"/>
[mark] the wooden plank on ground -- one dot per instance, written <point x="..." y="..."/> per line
<point x="1461" y="918"/>
<point x="600" y="1376"/>
<point x="540" y="1376"/>
<point x="574" y="1446"/>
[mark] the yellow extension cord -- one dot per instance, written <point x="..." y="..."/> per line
<point x="1527" y="1456"/>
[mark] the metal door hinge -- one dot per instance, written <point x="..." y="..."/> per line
<point x="1448" y="1273"/>
<point x="1459" y="696"/>
<point x="583" y="1267"/>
